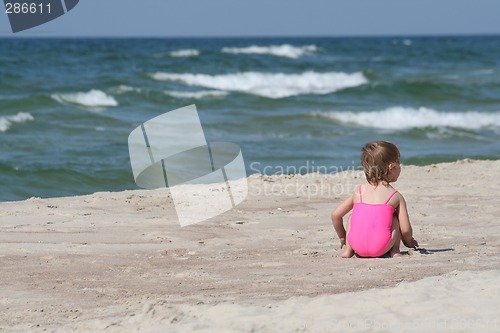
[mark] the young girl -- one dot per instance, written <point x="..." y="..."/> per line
<point x="379" y="219"/>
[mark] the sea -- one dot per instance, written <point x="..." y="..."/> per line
<point x="293" y="105"/>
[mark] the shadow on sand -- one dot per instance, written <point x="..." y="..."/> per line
<point x="432" y="251"/>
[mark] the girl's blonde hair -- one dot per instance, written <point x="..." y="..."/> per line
<point x="376" y="157"/>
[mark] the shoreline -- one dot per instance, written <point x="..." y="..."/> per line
<point x="89" y="261"/>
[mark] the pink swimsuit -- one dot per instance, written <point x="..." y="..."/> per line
<point x="370" y="230"/>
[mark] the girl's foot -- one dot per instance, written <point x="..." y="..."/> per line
<point x="395" y="254"/>
<point x="348" y="253"/>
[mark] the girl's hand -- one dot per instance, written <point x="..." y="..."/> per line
<point x="342" y="242"/>
<point x="413" y="244"/>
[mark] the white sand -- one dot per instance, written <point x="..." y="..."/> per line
<point x="120" y="262"/>
<point x="457" y="302"/>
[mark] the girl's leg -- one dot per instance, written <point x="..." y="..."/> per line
<point x="393" y="247"/>
<point x="348" y="251"/>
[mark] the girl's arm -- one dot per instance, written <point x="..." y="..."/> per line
<point x="404" y="224"/>
<point x="337" y="218"/>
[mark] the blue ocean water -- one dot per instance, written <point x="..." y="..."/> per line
<point x="67" y="106"/>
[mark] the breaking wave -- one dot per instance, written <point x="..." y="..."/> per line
<point x="93" y="98"/>
<point x="402" y="118"/>
<point x="285" y="50"/>
<point x="7" y="121"/>
<point x="271" y="85"/>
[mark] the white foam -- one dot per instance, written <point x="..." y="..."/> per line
<point x="197" y="94"/>
<point x="93" y="98"/>
<point x="285" y="50"/>
<point x="185" y="53"/>
<point x="401" y="118"/>
<point x="270" y="85"/>
<point x="125" y="89"/>
<point x="406" y="42"/>
<point x="21" y="117"/>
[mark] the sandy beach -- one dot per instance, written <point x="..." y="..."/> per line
<point x="120" y="262"/>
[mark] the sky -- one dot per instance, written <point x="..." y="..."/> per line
<point x="267" y="18"/>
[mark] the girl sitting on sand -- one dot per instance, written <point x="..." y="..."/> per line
<point x="379" y="219"/>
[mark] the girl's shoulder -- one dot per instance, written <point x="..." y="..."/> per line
<point x="357" y="193"/>
<point x="396" y="198"/>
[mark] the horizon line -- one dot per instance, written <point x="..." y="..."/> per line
<point x="360" y="36"/>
